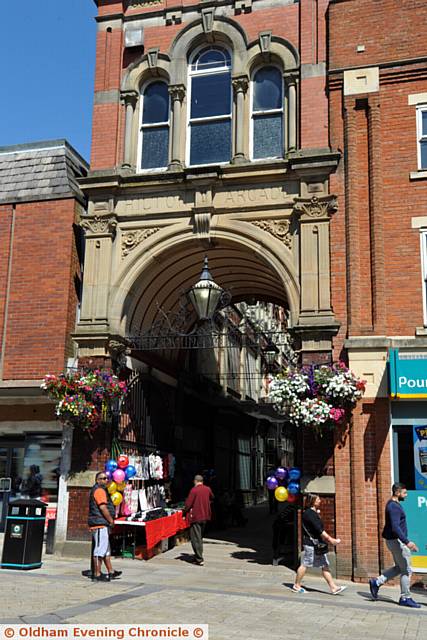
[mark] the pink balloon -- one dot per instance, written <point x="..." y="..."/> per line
<point x="119" y="475"/>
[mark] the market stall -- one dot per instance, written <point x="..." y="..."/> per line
<point x="140" y="489"/>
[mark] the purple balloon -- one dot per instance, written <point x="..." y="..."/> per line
<point x="272" y="483"/>
<point x="281" y="473"/>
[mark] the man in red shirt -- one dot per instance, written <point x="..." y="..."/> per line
<point x="198" y="506"/>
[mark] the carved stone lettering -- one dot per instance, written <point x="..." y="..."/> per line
<point x="254" y="196"/>
<point x="131" y="239"/>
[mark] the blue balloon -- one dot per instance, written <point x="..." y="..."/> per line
<point x="294" y="474"/>
<point x="293" y="488"/>
<point x="111" y="466"/>
<point x="130" y="471"/>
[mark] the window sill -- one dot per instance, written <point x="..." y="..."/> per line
<point x="418" y="175"/>
<point x="421" y="331"/>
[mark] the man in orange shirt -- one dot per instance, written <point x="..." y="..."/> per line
<point x="198" y="505"/>
<point x="101" y="517"/>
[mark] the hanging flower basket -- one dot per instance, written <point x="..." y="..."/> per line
<point x="320" y="397"/>
<point x="84" y="398"/>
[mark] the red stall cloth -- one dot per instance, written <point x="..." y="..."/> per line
<point x="162" y="528"/>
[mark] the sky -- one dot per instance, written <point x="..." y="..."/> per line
<point x="47" y="60"/>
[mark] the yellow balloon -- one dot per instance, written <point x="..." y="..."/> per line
<point x="121" y="486"/>
<point x="116" y="498"/>
<point x="281" y="494"/>
<point x="112" y="488"/>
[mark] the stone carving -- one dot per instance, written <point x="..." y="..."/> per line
<point x="317" y="207"/>
<point x="208" y="19"/>
<point x="153" y="57"/>
<point x="202" y="223"/>
<point x="131" y="239"/>
<point x="264" y="41"/>
<point x="280" y="229"/>
<point x="177" y="92"/>
<point x="240" y="83"/>
<point x="98" y="225"/>
<point x="119" y="350"/>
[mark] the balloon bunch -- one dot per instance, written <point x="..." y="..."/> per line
<point x="285" y="484"/>
<point x="119" y="472"/>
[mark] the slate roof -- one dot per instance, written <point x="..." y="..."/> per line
<point x="40" y="171"/>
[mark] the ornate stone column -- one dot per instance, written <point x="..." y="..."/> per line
<point x="129" y="99"/>
<point x="240" y="86"/>
<point x="314" y="217"/>
<point x="100" y="233"/>
<point x="177" y="94"/>
<point x="291" y="80"/>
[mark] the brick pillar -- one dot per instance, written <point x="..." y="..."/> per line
<point x="343" y="528"/>
<point x="376" y="214"/>
<point x="352" y="221"/>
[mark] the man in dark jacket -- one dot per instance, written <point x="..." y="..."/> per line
<point x="198" y="505"/>
<point x="395" y="534"/>
<point x="101" y="517"/>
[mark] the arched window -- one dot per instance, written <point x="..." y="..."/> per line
<point x="155" y="126"/>
<point x="267" y="113"/>
<point x="210" y="107"/>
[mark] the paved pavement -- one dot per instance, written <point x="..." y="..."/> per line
<point x="237" y="592"/>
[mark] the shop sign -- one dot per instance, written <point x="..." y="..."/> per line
<point x="420" y="457"/>
<point x="407" y="375"/>
<point x="415" y="506"/>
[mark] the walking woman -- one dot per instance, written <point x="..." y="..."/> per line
<point x="314" y="538"/>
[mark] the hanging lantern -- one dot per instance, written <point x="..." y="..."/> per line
<point x="205" y="295"/>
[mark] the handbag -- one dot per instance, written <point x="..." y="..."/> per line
<point x="320" y="548"/>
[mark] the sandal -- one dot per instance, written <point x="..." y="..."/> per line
<point x="339" y="590"/>
<point x="296" y="589"/>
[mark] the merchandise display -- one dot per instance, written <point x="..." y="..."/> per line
<point x="140" y="489"/>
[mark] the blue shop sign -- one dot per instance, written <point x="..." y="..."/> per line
<point x="407" y="375"/>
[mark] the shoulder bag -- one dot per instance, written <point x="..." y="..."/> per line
<point x="320" y="548"/>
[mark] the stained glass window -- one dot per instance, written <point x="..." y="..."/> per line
<point x="155" y="126"/>
<point x="210" y="107"/>
<point x="267" y="113"/>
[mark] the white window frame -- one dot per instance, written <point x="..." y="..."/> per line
<point x="423" y="245"/>
<point x="422" y="108"/>
<point x="190" y="121"/>
<point x="153" y="125"/>
<point x="268" y="112"/>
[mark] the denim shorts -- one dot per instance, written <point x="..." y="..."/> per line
<point x="310" y="559"/>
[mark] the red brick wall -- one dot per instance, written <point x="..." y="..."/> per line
<point x="389" y="29"/>
<point x="42" y="300"/>
<point x="89" y="453"/>
<point x="303" y="24"/>
<point x="6" y="214"/>
<point x="375" y="253"/>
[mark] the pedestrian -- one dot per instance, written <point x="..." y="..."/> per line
<point x="315" y="548"/>
<point x="198" y="506"/>
<point x="101" y="517"/>
<point x="395" y="533"/>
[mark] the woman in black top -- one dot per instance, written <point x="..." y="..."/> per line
<point x="313" y="533"/>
